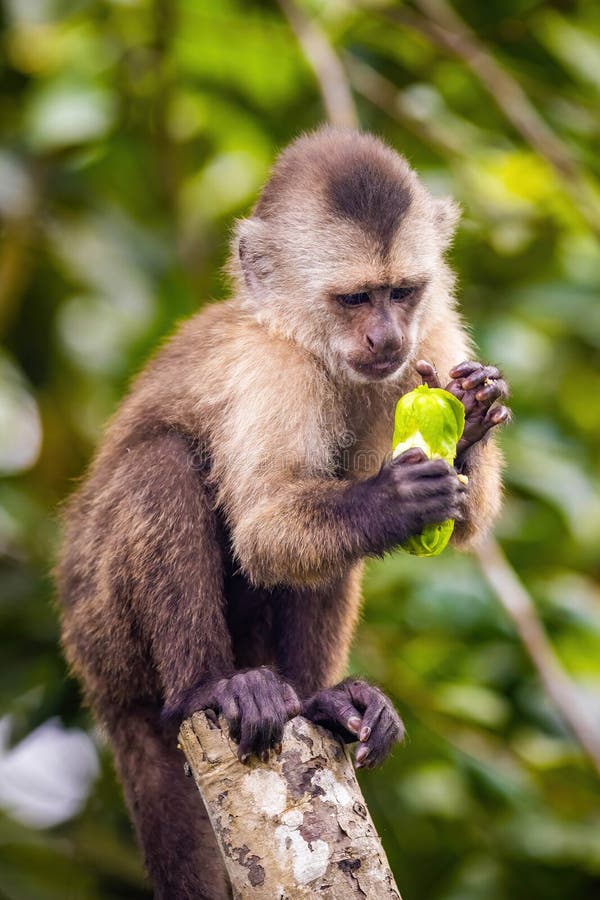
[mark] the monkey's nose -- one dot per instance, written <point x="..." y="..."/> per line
<point x="380" y="341"/>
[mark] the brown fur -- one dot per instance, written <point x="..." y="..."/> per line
<point x="223" y="521"/>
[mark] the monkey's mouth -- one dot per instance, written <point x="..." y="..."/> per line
<point x="377" y="369"/>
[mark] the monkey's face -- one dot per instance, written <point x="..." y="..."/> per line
<point x="344" y="253"/>
<point x="375" y="330"/>
<point x="378" y="302"/>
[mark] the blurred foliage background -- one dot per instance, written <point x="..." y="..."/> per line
<point x="132" y="133"/>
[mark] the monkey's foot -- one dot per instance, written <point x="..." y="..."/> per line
<point x="256" y="705"/>
<point x="357" y="711"/>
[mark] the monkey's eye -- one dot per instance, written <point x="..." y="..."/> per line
<point x="354" y="299"/>
<point x="401" y="293"/>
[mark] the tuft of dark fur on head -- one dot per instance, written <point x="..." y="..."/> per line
<point x="371" y="196"/>
<point x="359" y="177"/>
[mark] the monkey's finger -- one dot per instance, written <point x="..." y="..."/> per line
<point x="387" y="728"/>
<point x="344" y="713"/>
<point x="380" y="727"/>
<point x="445" y="486"/>
<point x="389" y="724"/>
<point x="373" y="752"/>
<point x="361" y="693"/>
<point x="250" y="720"/>
<point x="464" y="368"/>
<point x="373" y="713"/>
<point x="229" y="709"/>
<point x="430" y="468"/>
<point x="422" y="468"/>
<point x="480" y="376"/>
<point x="460" y="512"/>
<point x="333" y="709"/>
<point x="360" y="756"/>
<point x="382" y="742"/>
<point x="428" y="373"/>
<point x="489" y="393"/>
<point x="497" y="415"/>
<point x="291" y="702"/>
<point x="270" y="730"/>
<point x="455" y="387"/>
<point x="410" y="456"/>
<point x="272" y="715"/>
<point x="435" y="510"/>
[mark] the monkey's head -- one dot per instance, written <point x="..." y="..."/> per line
<point x="344" y="254"/>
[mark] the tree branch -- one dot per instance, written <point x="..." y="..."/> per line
<point x="296" y="826"/>
<point x="520" y="608"/>
<point x="333" y="84"/>
<point x="391" y="100"/>
<point x="442" y="25"/>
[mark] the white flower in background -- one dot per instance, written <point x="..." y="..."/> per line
<point x="47" y="777"/>
<point x="20" y="425"/>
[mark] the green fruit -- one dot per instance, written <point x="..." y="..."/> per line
<point x="433" y="420"/>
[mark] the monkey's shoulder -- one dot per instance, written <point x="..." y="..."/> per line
<point x="220" y="372"/>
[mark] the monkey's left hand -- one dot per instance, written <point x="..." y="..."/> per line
<point x="357" y="711"/>
<point x="478" y="387"/>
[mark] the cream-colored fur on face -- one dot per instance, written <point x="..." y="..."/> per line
<point x="287" y="263"/>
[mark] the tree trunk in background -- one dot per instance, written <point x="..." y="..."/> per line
<point x="296" y="826"/>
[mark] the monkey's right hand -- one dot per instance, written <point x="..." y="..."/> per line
<point x="256" y="705"/>
<point x="414" y="491"/>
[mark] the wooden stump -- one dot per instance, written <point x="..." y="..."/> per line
<point x="295" y="826"/>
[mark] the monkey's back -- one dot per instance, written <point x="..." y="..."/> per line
<point x="185" y="392"/>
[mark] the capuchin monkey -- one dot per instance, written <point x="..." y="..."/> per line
<point x="212" y="556"/>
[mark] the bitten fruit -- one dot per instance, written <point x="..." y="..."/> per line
<point x="433" y="420"/>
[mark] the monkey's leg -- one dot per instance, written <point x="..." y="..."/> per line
<point x="314" y="629"/>
<point x="170" y="546"/>
<point x="180" y="851"/>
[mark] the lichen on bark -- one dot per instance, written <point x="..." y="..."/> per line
<point x="294" y="826"/>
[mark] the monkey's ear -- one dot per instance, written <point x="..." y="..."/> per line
<point x="251" y="248"/>
<point x="446" y="212"/>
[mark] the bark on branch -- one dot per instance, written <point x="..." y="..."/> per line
<point x="329" y="72"/>
<point x="295" y="826"/>
<point x="520" y="607"/>
<point x="442" y="24"/>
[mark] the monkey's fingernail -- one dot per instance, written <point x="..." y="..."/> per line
<point x="244" y="757"/>
<point x="278" y="747"/>
<point x="353" y="724"/>
<point x="365" y="733"/>
<point x="361" y="755"/>
<point x="265" y="756"/>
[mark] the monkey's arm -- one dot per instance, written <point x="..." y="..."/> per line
<point x="479" y="458"/>
<point x="166" y="563"/>
<point x="292" y="522"/>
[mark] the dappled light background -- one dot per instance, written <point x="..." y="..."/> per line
<point x="132" y="133"/>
